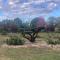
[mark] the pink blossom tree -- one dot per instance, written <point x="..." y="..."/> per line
<point x="35" y="26"/>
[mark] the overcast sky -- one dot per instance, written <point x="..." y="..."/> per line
<point x="28" y="9"/>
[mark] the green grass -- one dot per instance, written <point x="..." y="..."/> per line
<point x="28" y="54"/>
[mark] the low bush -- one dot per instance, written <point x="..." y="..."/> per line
<point x="58" y="41"/>
<point x="53" y="39"/>
<point x="3" y="33"/>
<point x="14" y="40"/>
<point x="53" y="42"/>
<point x="50" y="41"/>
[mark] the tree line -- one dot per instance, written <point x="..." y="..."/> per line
<point x="30" y="30"/>
<point x="16" y="25"/>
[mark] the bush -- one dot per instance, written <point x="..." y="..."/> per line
<point x="53" y="39"/>
<point x="3" y="33"/>
<point x="53" y="42"/>
<point x="58" y="41"/>
<point x="14" y="40"/>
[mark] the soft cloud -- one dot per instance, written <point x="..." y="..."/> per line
<point x="28" y="7"/>
<point x="0" y="4"/>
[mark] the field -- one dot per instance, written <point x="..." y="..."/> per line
<point x="29" y="53"/>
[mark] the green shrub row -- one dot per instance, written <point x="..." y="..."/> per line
<point x="53" y="42"/>
<point x="14" y="40"/>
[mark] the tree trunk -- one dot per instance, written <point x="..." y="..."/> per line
<point x="32" y="39"/>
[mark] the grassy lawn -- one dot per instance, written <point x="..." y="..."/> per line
<point x="29" y="53"/>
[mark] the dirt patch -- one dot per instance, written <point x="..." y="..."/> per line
<point x="32" y="46"/>
<point x="41" y="44"/>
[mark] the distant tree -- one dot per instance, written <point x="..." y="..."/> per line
<point x="11" y="25"/>
<point x="51" y="23"/>
<point x="58" y="24"/>
<point x="34" y="22"/>
<point x="26" y="25"/>
<point x="35" y="26"/>
<point x="18" y="22"/>
<point x="39" y="22"/>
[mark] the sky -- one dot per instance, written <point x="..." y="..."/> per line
<point x="28" y="9"/>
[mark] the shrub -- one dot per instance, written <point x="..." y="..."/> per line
<point x="58" y="41"/>
<point x="53" y="39"/>
<point x="3" y="33"/>
<point x="53" y="42"/>
<point x="14" y="40"/>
